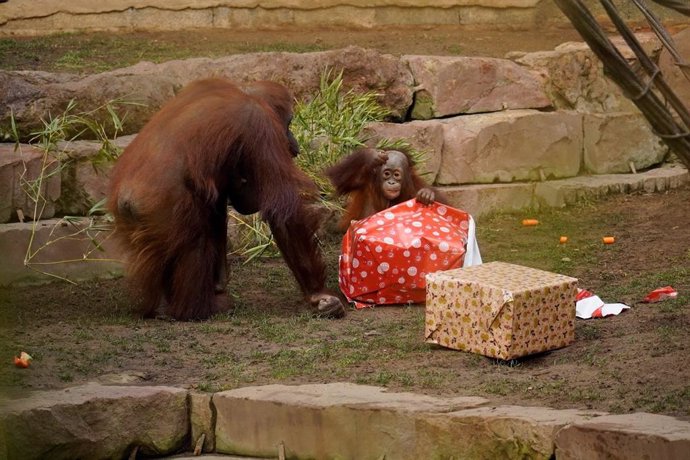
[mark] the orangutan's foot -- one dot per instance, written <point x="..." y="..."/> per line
<point x="327" y="306"/>
<point x="221" y="303"/>
<point x="219" y="287"/>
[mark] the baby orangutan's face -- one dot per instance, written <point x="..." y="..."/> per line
<point x="392" y="173"/>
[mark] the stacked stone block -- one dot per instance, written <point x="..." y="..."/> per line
<point x="537" y="116"/>
<point x="528" y="131"/>
<point x="52" y="237"/>
<point x="336" y="420"/>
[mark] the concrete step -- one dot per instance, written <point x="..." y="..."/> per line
<point x="483" y="199"/>
<point x="68" y="250"/>
<point x="334" y="420"/>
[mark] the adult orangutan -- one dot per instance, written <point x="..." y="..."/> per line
<point x="213" y="143"/>
<point x="376" y="180"/>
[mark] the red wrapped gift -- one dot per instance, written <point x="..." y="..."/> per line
<point x="386" y="256"/>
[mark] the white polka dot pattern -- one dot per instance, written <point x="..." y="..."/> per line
<point x="386" y="257"/>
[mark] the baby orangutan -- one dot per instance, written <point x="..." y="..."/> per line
<point x="376" y="180"/>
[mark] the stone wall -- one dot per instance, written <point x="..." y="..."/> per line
<point x="532" y="117"/>
<point x="529" y="131"/>
<point x="28" y="17"/>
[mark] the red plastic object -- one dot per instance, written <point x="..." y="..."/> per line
<point x="583" y="294"/>
<point x="657" y="295"/>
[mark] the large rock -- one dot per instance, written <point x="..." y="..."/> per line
<point x="85" y="175"/>
<point x="352" y="421"/>
<point x="589" y="188"/>
<point x="451" y="85"/>
<point x="614" y="141"/>
<point x="202" y="419"/>
<point x="484" y="199"/>
<point x="626" y="436"/>
<point x="58" y="249"/>
<point x="27" y="96"/>
<point x="337" y="420"/>
<point x="424" y="136"/>
<point x="507" y="432"/>
<point x="32" y="95"/>
<point x="574" y="77"/>
<point x="94" y="422"/>
<point x="73" y="178"/>
<point x="29" y="182"/>
<point x="515" y="145"/>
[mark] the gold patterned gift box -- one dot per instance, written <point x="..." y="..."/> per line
<point x="500" y="310"/>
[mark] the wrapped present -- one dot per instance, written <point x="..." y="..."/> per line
<point x="386" y="256"/>
<point x="500" y="310"/>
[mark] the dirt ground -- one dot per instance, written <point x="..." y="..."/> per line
<point x="436" y="40"/>
<point x="637" y="361"/>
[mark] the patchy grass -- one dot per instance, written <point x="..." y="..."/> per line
<point x="98" y="52"/>
<point x="538" y="246"/>
<point x="631" y="362"/>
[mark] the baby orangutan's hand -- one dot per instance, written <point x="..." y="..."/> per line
<point x="380" y="159"/>
<point x="426" y="196"/>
